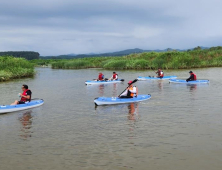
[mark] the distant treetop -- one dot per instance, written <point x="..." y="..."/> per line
<point x="29" y="55"/>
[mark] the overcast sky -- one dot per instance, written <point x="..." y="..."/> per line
<point x="54" y="27"/>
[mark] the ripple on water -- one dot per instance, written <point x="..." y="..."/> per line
<point x="180" y="126"/>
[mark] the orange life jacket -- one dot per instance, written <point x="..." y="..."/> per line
<point x="131" y="94"/>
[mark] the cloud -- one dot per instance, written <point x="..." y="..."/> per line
<point x="55" y="27"/>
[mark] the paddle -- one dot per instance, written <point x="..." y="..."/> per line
<point x="36" y="99"/>
<point x="153" y="70"/>
<point x="134" y="81"/>
<point x="101" y="80"/>
<point x="118" y="80"/>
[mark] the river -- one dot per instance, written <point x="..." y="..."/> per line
<point x="178" y="128"/>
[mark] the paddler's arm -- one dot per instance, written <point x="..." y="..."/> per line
<point x="27" y="97"/>
<point x="190" y="78"/>
<point x="136" y="91"/>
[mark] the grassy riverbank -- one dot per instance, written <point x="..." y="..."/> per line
<point x="12" y="68"/>
<point x="166" y="60"/>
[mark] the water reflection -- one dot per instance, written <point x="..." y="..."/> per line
<point x="26" y="121"/>
<point x="101" y="89"/>
<point x="192" y="87"/>
<point x="114" y="90"/>
<point x="160" y="84"/>
<point x="132" y="109"/>
<point x="97" y="88"/>
<point x="133" y="113"/>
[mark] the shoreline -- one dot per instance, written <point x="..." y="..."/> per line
<point x="5" y="79"/>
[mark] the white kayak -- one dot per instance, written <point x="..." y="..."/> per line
<point x="189" y="82"/>
<point x="156" y="78"/>
<point x="90" y="82"/>
<point x="14" y="108"/>
<point x="116" y="100"/>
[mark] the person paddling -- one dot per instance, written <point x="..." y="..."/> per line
<point x="114" y="76"/>
<point x="192" y="77"/>
<point x="160" y="73"/>
<point x="130" y="92"/>
<point x="25" y="96"/>
<point x="100" y="77"/>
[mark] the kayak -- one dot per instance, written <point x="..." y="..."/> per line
<point x="14" y="108"/>
<point x="156" y="78"/>
<point x="189" y="82"/>
<point x="116" y="100"/>
<point x="90" y="82"/>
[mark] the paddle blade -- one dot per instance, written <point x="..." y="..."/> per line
<point x="121" y="79"/>
<point x="134" y="81"/>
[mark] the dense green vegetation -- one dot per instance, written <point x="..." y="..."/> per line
<point x="43" y="62"/>
<point x="196" y="58"/>
<point x="11" y="68"/>
<point x="29" y="55"/>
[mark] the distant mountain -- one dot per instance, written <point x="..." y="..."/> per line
<point x="204" y="47"/>
<point x="72" y="54"/>
<point x="118" y="53"/>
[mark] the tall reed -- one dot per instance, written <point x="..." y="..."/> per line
<point x="166" y="60"/>
<point x="12" y="68"/>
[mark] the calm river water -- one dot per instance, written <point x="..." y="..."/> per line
<point x="179" y="128"/>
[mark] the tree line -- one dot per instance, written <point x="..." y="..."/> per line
<point x="29" y="55"/>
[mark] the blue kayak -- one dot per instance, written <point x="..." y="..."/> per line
<point x="14" y="108"/>
<point x="156" y="78"/>
<point x="189" y="82"/>
<point x="116" y="100"/>
<point x="90" y="82"/>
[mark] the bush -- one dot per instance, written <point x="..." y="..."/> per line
<point x="141" y="64"/>
<point x="115" y="64"/>
<point x="11" y="68"/>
